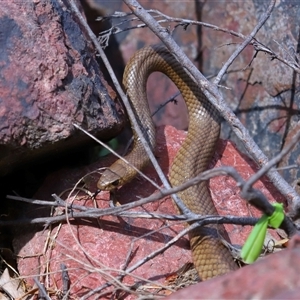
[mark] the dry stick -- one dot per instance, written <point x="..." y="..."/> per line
<point x="117" y="155"/>
<point x="93" y="213"/>
<point x="293" y="59"/>
<point x="104" y="272"/>
<point x="213" y="94"/>
<point x="66" y="281"/>
<point x="258" y="46"/>
<point x="91" y="258"/>
<point x="292" y="64"/>
<point x="70" y="206"/>
<point x="244" y="44"/>
<point x="275" y="160"/>
<point x="130" y="113"/>
<point x="258" y="201"/>
<point x="167" y="19"/>
<point x="165" y="247"/>
<point x="149" y="256"/>
<point x="257" y="198"/>
<point x="143" y="260"/>
<point x="42" y="292"/>
<point x="171" y="99"/>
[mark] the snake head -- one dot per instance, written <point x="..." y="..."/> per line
<point x="113" y="177"/>
<point x="108" y="181"/>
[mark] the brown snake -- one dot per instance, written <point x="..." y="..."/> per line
<point x="211" y="257"/>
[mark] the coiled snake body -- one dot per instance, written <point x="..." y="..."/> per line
<point x="211" y="257"/>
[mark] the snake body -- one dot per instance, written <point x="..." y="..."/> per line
<point x="211" y="257"/>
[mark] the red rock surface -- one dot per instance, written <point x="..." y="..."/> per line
<point x="50" y="79"/>
<point x="95" y="250"/>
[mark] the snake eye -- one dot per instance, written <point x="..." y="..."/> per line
<point x="115" y="183"/>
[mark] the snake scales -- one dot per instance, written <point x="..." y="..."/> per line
<point x="211" y="257"/>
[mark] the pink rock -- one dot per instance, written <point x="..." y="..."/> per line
<point x="95" y="250"/>
<point x="274" y="277"/>
<point x="50" y="80"/>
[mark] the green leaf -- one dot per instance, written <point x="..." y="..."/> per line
<point x="252" y="248"/>
<point x="277" y="217"/>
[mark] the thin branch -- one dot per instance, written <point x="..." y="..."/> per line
<point x="258" y="46"/>
<point x="65" y="280"/>
<point x="290" y="64"/>
<point x="117" y="155"/>
<point x="245" y="43"/>
<point x="273" y="162"/>
<point x="151" y="255"/>
<point x="42" y="292"/>
<point x="171" y="99"/>
<point x="95" y="213"/>
<point x="255" y="197"/>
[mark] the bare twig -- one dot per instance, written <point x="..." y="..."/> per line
<point x="245" y="43"/>
<point x="254" y="197"/>
<point x="65" y="280"/>
<point x="258" y="46"/>
<point x="93" y="213"/>
<point x="107" y="273"/>
<point x="117" y="155"/>
<point x="171" y="99"/>
<point x="291" y="64"/>
<point x="150" y="256"/>
<point x="42" y="292"/>
<point x="273" y="162"/>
